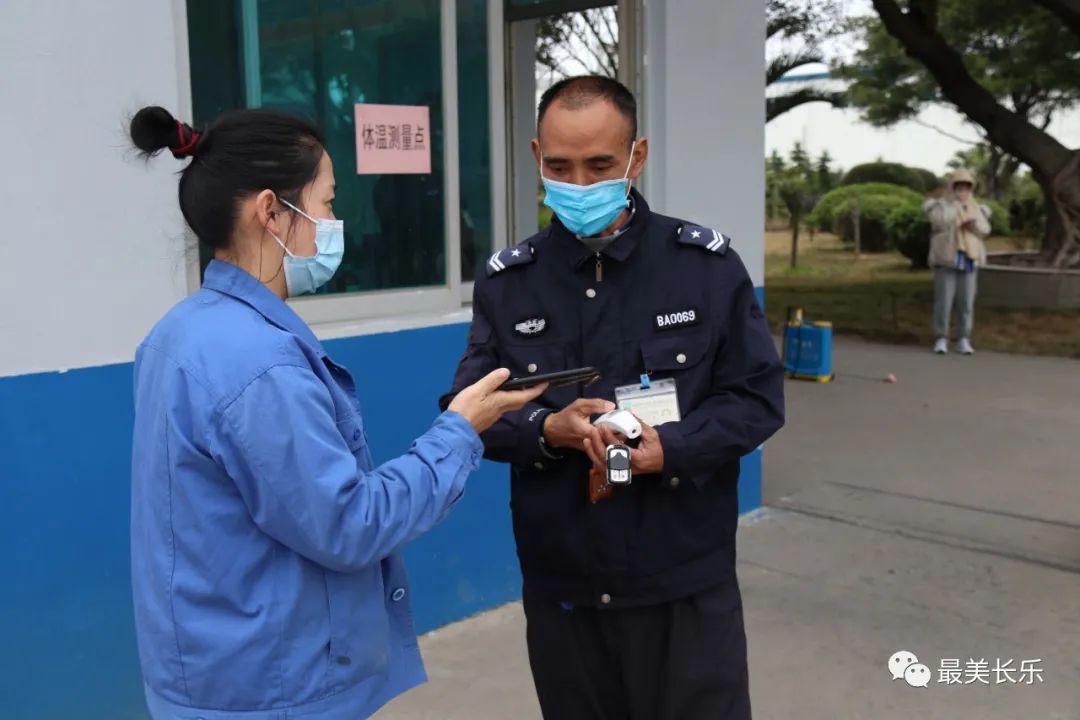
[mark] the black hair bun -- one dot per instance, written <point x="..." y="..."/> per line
<point x="154" y="129"/>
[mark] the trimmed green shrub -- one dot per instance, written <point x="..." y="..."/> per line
<point x="893" y="173"/>
<point x="873" y="211"/>
<point x="824" y="215"/>
<point x="909" y="232"/>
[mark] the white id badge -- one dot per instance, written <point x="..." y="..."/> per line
<point x="654" y="405"/>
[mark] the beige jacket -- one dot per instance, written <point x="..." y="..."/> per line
<point x="946" y="215"/>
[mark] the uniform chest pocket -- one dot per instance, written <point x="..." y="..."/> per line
<point x="685" y="357"/>
<point x="686" y="351"/>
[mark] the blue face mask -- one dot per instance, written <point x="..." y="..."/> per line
<point x="586" y="210"/>
<point x="306" y="274"/>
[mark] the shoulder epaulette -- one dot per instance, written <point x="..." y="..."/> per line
<point x="521" y="254"/>
<point x="704" y="237"/>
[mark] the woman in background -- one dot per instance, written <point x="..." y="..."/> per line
<point x="958" y="225"/>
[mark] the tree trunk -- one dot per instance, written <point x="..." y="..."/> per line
<point x="795" y="222"/>
<point x="1054" y="165"/>
<point x="992" y="188"/>
<point x="1061" y="246"/>
<point x="1008" y="172"/>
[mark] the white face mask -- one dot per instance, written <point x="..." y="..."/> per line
<point x="306" y="274"/>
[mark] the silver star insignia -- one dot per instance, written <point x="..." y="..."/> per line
<point x="515" y="252"/>
<point x="695" y="234"/>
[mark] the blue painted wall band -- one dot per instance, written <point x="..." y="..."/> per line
<point x="66" y="612"/>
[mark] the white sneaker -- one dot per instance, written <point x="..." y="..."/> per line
<point x="941" y="346"/>
<point x="964" y="347"/>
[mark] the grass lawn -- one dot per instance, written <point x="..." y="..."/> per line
<point x="881" y="298"/>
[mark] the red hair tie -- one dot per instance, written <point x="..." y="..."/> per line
<point x="186" y="147"/>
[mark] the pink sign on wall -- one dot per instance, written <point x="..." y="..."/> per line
<point x="392" y="139"/>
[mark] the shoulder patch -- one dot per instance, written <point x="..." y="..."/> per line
<point x="704" y="237"/>
<point x="521" y="254"/>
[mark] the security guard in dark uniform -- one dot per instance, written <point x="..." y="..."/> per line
<point x="630" y="595"/>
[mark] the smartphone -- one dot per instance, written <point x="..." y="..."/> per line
<point x="577" y="376"/>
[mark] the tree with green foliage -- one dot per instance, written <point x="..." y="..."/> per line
<point x="794" y="189"/>
<point x="794" y="30"/>
<point x="801" y="179"/>
<point x="573" y="43"/>
<point x="1008" y="66"/>
<point x="801" y="160"/>
<point x="775" y="162"/>
<point x="825" y="178"/>
<point x="776" y="173"/>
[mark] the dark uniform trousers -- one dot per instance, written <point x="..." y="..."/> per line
<point x="679" y="660"/>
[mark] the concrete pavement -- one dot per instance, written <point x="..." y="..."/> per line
<point x="939" y="515"/>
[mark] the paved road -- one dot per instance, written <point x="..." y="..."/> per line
<point x="939" y="515"/>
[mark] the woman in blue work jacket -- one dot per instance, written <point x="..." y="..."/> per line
<point x="264" y="540"/>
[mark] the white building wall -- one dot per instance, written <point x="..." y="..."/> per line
<point x="704" y="116"/>
<point x="93" y="248"/>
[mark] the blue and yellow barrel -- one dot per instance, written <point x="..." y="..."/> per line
<point x="807" y="348"/>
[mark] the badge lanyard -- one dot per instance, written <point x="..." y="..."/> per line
<point x="655" y="402"/>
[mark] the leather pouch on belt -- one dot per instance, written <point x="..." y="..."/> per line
<point x="599" y="487"/>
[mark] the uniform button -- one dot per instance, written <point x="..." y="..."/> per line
<point x="532" y="367"/>
<point x="538" y="466"/>
<point x="674" y="482"/>
<point x="680" y="358"/>
<point x="398" y="595"/>
<point x="605" y="599"/>
<point x="590" y="293"/>
<point x="343" y="660"/>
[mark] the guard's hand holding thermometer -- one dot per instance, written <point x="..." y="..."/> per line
<point x="620" y="421"/>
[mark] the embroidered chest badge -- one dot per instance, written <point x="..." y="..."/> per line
<point x="531" y="327"/>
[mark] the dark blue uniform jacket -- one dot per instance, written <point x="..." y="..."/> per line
<point x="669" y="298"/>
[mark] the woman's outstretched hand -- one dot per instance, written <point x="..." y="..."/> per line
<point x="482" y="403"/>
